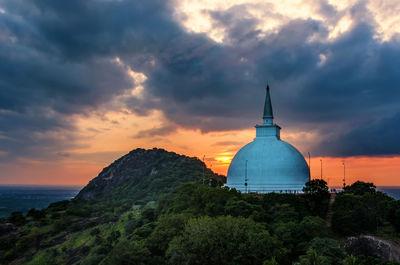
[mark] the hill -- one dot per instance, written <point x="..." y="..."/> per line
<point x="144" y="175"/>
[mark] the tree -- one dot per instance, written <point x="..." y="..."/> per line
<point x="317" y="187"/>
<point x="36" y="214"/>
<point x="354" y="214"/>
<point x="317" y="194"/>
<point x="224" y="240"/>
<point x="168" y="226"/>
<point x="17" y="218"/>
<point x="360" y="188"/>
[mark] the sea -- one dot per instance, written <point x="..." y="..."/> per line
<point x="22" y="198"/>
<point x="393" y="191"/>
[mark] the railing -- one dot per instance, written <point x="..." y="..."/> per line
<point x="267" y="188"/>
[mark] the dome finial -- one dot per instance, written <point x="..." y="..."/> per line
<point x="268" y="114"/>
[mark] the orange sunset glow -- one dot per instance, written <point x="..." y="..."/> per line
<point x="189" y="77"/>
<point x="80" y="166"/>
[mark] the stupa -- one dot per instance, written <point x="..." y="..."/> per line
<point x="268" y="164"/>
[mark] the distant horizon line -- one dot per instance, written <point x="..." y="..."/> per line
<point x="83" y="185"/>
<point x="46" y="185"/>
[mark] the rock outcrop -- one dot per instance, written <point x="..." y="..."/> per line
<point x="384" y="249"/>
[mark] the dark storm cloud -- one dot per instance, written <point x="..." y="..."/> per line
<point x="378" y="138"/>
<point x="36" y="133"/>
<point x="40" y="85"/>
<point x="57" y="58"/>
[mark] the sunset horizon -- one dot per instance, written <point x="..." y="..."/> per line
<point x="85" y="83"/>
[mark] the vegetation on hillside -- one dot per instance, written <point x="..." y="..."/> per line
<point x="201" y="223"/>
<point x="144" y="175"/>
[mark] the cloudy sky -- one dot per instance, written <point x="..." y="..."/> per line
<point x="84" y="82"/>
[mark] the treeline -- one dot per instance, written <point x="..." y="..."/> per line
<point x="203" y="224"/>
<point x="360" y="209"/>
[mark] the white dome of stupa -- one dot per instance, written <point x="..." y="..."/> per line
<point x="268" y="164"/>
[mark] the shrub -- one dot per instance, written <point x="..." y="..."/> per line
<point x="127" y="253"/>
<point x="17" y="218"/>
<point x="36" y="214"/>
<point x="95" y="231"/>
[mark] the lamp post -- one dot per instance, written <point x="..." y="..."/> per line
<point x="245" y="178"/>
<point x="309" y="164"/>
<point x="204" y="168"/>
<point x="321" y="167"/>
<point x="344" y="174"/>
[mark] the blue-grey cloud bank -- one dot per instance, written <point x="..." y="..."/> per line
<point x="58" y="58"/>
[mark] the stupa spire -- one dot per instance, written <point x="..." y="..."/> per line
<point x="268" y="115"/>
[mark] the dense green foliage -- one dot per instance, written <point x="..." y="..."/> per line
<point x="360" y="188"/>
<point x="201" y="223"/>
<point x="214" y="241"/>
<point x="362" y="209"/>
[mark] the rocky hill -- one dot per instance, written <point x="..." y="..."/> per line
<point x="143" y="175"/>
